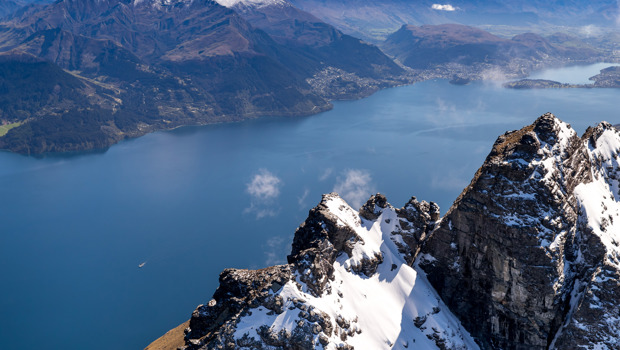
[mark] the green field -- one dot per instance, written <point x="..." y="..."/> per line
<point x="5" y="128"/>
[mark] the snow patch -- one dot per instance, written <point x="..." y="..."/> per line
<point x="252" y="3"/>
<point x="394" y="308"/>
<point x="600" y="199"/>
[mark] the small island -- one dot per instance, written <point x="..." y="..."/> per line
<point x="457" y="80"/>
<point x="607" y="78"/>
<point x="538" y="84"/>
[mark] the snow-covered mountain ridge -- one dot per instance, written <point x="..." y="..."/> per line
<point x="253" y="3"/>
<point x="527" y="257"/>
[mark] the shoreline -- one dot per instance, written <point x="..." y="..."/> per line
<point x="468" y="73"/>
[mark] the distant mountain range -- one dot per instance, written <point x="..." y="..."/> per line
<point x="374" y="20"/>
<point x="113" y="69"/>
<point x="8" y="7"/>
<point x="154" y="64"/>
<point x="431" y="46"/>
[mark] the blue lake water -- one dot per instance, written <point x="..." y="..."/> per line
<point x="572" y="75"/>
<point x="193" y="201"/>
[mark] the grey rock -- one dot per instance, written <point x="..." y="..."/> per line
<point x="495" y="266"/>
<point x="417" y="220"/>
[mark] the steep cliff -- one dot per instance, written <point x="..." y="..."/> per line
<point x="523" y="254"/>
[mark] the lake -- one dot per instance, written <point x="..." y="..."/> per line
<point x="190" y="202"/>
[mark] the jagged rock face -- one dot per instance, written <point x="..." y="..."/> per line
<point x="512" y="256"/>
<point x="347" y="286"/>
<point x="417" y="220"/>
<point x="317" y="243"/>
<point x="595" y="319"/>
<point x="239" y="290"/>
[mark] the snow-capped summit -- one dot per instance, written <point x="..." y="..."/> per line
<point x="253" y="3"/>
<point x="347" y="286"/>
<point x="527" y="257"/>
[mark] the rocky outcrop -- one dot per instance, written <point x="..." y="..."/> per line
<point x="317" y="243"/>
<point x="416" y="221"/>
<point x="239" y="291"/>
<point x="514" y="255"/>
<point x="528" y="257"/>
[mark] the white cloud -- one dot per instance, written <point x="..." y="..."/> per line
<point x="302" y="200"/>
<point x="275" y="250"/>
<point x="264" y="185"/>
<point x="494" y="76"/>
<point x="355" y="187"/>
<point x="264" y="189"/>
<point x="591" y="30"/>
<point x="446" y="7"/>
<point x="450" y="180"/>
<point x="327" y="173"/>
<point x="444" y="106"/>
<point x="261" y="211"/>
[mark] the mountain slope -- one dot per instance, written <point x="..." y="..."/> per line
<point x="54" y="109"/>
<point x="516" y="226"/>
<point x="320" y="48"/>
<point x="9" y="6"/>
<point x="595" y="320"/>
<point x="171" y="63"/>
<point x="526" y="258"/>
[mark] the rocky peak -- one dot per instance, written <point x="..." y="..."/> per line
<point x="551" y="130"/>
<point x="593" y="134"/>
<point x="517" y="225"/>
<point x="328" y="232"/>
<point x="547" y="132"/>
<point x="323" y="226"/>
<point x="374" y="207"/>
